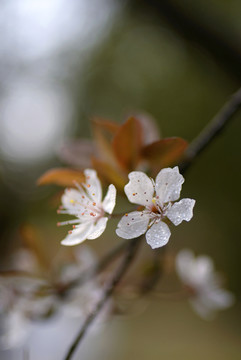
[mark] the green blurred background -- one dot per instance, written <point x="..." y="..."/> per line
<point x="61" y="62"/>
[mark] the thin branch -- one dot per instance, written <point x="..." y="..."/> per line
<point x="109" y="289"/>
<point x="19" y="273"/>
<point x="215" y="126"/>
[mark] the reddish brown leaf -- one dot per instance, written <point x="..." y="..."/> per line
<point x="109" y="174"/>
<point x="164" y="152"/>
<point x="106" y="125"/>
<point x="149" y="126"/>
<point x="61" y="176"/>
<point x="103" y="132"/>
<point x="127" y="144"/>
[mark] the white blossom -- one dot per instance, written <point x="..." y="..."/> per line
<point x="18" y="306"/>
<point x="86" y="204"/>
<point x="81" y="299"/>
<point x="159" y="201"/>
<point x="22" y="302"/>
<point x="202" y="283"/>
<point x="15" y="329"/>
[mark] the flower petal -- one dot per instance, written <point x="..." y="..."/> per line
<point x="201" y="308"/>
<point x="73" y="199"/>
<point x="158" y="235"/>
<point x="184" y="265"/>
<point x="140" y="188"/>
<point x="219" y="298"/>
<point x="98" y="228"/>
<point x="204" y="269"/>
<point x="181" y="210"/>
<point x="109" y="200"/>
<point x="168" y="185"/>
<point x="15" y="329"/>
<point x="93" y="185"/>
<point x="78" y="235"/>
<point x="133" y="225"/>
<point x="198" y="273"/>
<point x="207" y="304"/>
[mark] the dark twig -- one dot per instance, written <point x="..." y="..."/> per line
<point x="215" y="126"/>
<point x="109" y="289"/>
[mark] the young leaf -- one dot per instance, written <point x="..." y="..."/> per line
<point x="103" y="132"/>
<point x="164" y="152"/>
<point x="62" y="177"/>
<point x="109" y="126"/>
<point x="109" y="174"/>
<point x="127" y="144"/>
<point x="150" y="130"/>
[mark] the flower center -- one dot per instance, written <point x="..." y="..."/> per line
<point x="159" y="210"/>
<point x="93" y="210"/>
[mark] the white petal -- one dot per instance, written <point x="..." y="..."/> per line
<point x="196" y="272"/>
<point x="16" y="328"/>
<point x="140" y="188"/>
<point x="73" y="199"/>
<point x="181" y="210"/>
<point x="158" y="235"/>
<point x="168" y="185"/>
<point x="109" y="200"/>
<point x="184" y="264"/>
<point x="204" y="268"/>
<point x="93" y="185"/>
<point x="98" y="228"/>
<point x="206" y="304"/>
<point x="219" y="299"/>
<point x="133" y="225"/>
<point x="201" y="308"/>
<point x="78" y="235"/>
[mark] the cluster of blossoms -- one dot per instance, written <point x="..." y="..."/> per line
<point x="35" y="291"/>
<point x="158" y="199"/>
<point x="202" y="283"/>
<point x="25" y="298"/>
<point x="158" y="205"/>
